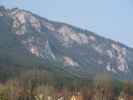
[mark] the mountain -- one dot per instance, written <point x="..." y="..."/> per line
<point x="28" y="40"/>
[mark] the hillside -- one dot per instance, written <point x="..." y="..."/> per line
<point x="28" y="41"/>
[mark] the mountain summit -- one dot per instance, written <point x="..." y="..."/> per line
<point x="26" y="38"/>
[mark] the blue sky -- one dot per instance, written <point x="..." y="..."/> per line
<point x="110" y="18"/>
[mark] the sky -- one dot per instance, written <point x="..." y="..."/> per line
<point x="109" y="18"/>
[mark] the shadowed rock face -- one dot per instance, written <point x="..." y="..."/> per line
<point x="80" y="52"/>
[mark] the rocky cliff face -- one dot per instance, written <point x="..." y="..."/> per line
<point x="80" y="52"/>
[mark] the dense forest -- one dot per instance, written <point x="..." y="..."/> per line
<point x="44" y="85"/>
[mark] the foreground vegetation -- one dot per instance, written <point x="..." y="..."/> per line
<point x="36" y="85"/>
